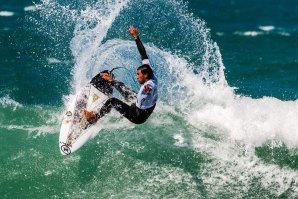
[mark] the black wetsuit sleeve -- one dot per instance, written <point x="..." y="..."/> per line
<point x="141" y="49"/>
<point x="126" y="92"/>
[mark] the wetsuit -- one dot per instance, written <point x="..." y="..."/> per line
<point x="139" y="111"/>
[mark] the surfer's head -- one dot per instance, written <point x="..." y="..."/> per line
<point x="144" y="73"/>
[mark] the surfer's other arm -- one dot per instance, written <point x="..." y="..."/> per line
<point x="134" y="33"/>
<point x="126" y="92"/>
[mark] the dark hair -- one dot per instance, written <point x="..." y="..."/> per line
<point x="146" y="69"/>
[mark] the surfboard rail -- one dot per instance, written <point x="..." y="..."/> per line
<point x="75" y="130"/>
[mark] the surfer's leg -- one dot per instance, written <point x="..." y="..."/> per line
<point x="120" y="106"/>
<point x="132" y="113"/>
<point x="126" y="92"/>
<point x="139" y="116"/>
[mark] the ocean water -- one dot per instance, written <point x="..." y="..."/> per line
<point x="225" y="125"/>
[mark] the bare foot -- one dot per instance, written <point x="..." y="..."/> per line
<point x="90" y="116"/>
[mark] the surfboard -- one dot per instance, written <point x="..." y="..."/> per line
<point x="75" y="130"/>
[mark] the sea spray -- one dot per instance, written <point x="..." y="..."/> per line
<point x="91" y="28"/>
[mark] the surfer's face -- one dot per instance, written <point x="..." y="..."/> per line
<point x="140" y="77"/>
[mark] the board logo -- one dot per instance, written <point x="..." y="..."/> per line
<point x="65" y="149"/>
<point x="68" y="113"/>
<point x="95" y="97"/>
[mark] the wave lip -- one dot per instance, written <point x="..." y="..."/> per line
<point x="6" y="13"/>
<point x="249" y="33"/>
<point x="263" y="30"/>
<point x="266" y="28"/>
<point x="7" y="101"/>
<point x="53" y="60"/>
<point x="30" y="8"/>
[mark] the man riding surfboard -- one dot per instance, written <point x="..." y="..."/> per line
<point x="146" y="98"/>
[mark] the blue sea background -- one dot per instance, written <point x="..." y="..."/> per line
<point x="225" y="125"/>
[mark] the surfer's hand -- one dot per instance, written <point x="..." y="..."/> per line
<point x="106" y="77"/>
<point x="133" y="31"/>
<point x="147" y="89"/>
<point x="90" y="117"/>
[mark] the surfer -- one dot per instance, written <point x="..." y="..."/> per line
<point x="139" y="111"/>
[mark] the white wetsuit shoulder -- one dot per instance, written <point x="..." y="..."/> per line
<point x="147" y="100"/>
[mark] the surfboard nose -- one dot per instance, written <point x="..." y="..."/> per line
<point x="65" y="149"/>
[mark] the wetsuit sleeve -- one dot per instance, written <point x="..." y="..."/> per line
<point x="126" y="92"/>
<point x="141" y="48"/>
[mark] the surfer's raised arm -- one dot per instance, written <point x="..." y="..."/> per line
<point x="134" y="33"/>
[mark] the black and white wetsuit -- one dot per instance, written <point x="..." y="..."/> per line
<point x="140" y="111"/>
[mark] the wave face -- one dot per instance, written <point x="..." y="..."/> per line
<point x="202" y="141"/>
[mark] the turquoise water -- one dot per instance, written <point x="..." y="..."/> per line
<point x="226" y="122"/>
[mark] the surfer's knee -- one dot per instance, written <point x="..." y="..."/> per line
<point x="112" y="101"/>
<point x="139" y="121"/>
<point x="106" y="108"/>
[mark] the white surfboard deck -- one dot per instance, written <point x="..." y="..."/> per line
<point x="75" y="130"/>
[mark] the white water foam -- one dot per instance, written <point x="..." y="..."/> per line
<point x="30" y="8"/>
<point x="253" y="121"/>
<point x="249" y="33"/>
<point x="32" y="130"/>
<point x="7" y="101"/>
<point x="266" y="28"/>
<point x="237" y="166"/>
<point x="53" y="60"/>
<point x="6" y="13"/>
